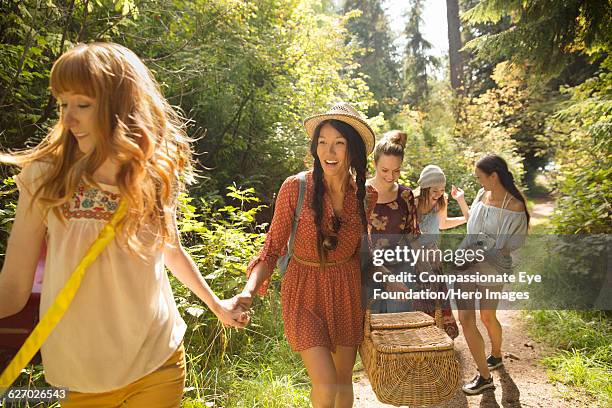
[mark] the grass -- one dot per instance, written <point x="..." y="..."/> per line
<point x="257" y="369"/>
<point x="581" y="339"/>
<point x="583" y="343"/>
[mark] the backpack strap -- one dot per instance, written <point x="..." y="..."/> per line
<point x="298" y="210"/>
<point x="283" y="261"/>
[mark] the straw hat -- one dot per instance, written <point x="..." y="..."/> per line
<point x="347" y="114"/>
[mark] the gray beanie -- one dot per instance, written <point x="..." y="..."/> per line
<point x="431" y="175"/>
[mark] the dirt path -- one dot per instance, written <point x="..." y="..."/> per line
<point x="541" y="211"/>
<point x="543" y="208"/>
<point x="521" y="382"/>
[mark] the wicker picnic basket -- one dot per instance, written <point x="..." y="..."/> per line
<point x="408" y="359"/>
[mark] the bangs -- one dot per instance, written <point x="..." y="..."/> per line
<point x="72" y="73"/>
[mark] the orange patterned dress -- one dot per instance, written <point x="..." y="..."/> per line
<point x="320" y="307"/>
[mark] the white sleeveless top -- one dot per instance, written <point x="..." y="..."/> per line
<point x="508" y="227"/>
<point x="123" y="323"/>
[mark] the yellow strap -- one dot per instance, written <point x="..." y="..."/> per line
<point x="55" y="313"/>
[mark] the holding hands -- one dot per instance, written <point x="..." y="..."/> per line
<point x="233" y="312"/>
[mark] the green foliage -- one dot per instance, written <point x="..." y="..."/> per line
<point x="585" y="356"/>
<point x="547" y="33"/>
<point x="245" y="73"/>
<point x="584" y="156"/>
<point x="7" y="212"/>
<point x="478" y="70"/>
<point x="370" y="31"/>
<point x="221" y="239"/>
<point x="510" y="120"/>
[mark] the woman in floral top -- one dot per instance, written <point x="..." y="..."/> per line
<point x="394" y="217"/>
<point x="395" y="213"/>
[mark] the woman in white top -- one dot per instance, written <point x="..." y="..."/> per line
<point x="120" y="341"/>
<point x="497" y="221"/>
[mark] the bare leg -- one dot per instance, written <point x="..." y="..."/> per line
<point x="322" y="372"/>
<point x="344" y="360"/>
<point x="494" y="329"/>
<point x="467" y="318"/>
<point x="474" y="340"/>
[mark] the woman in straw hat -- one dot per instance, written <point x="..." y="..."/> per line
<point x="321" y="304"/>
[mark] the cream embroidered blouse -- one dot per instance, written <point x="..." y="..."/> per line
<point x="123" y="323"/>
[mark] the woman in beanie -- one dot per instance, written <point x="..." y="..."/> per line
<point x="321" y="289"/>
<point x="432" y="202"/>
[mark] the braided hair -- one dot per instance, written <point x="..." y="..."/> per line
<point x="357" y="164"/>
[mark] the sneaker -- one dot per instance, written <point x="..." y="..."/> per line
<point x="478" y="385"/>
<point x="494" y="362"/>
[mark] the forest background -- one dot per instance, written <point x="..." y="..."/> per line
<point x="529" y="80"/>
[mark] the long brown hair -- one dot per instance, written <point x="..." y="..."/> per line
<point x="138" y="128"/>
<point x="424" y="203"/>
<point x="493" y="163"/>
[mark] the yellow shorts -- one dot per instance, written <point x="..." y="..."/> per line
<point x="163" y="388"/>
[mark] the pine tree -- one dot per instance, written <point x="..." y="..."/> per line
<point x="378" y="61"/>
<point x="416" y="59"/>
<point x="478" y="71"/>
<point x="549" y="34"/>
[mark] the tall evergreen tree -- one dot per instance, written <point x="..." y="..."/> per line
<point x="548" y="34"/>
<point x="479" y="71"/>
<point x="378" y="61"/>
<point x="454" y="45"/>
<point x="416" y="59"/>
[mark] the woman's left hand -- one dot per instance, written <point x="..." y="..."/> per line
<point x="457" y="193"/>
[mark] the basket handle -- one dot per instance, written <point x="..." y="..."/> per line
<point x="366" y="320"/>
<point x="438" y="315"/>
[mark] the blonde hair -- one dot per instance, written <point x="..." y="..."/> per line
<point x="392" y="143"/>
<point x="139" y="129"/>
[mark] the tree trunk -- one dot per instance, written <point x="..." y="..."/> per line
<point x="454" y="45"/>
